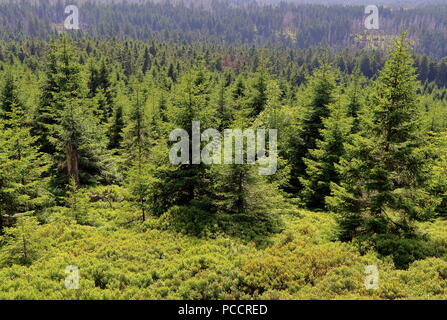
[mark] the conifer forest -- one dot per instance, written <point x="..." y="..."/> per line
<point x="223" y="150"/>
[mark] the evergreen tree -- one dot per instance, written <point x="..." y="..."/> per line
<point x="22" y="243"/>
<point x="62" y="82"/>
<point x="146" y="61"/>
<point x="65" y="123"/>
<point x="355" y="100"/>
<point x="185" y="184"/>
<point x="116" y="128"/>
<point x="318" y="96"/>
<point x="8" y="97"/>
<point x="258" y="95"/>
<point x="384" y="170"/>
<point x="100" y="88"/>
<point x="320" y="165"/>
<point x="137" y="145"/>
<point x="220" y="100"/>
<point x="23" y="186"/>
<point x="136" y="132"/>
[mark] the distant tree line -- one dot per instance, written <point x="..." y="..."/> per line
<point x="285" y="24"/>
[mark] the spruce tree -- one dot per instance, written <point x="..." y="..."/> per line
<point x="65" y="124"/>
<point x="220" y="100"/>
<point x="62" y="82"/>
<point x="355" y="99"/>
<point x="384" y="172"/>
<point x="258" y="97"/>
<point x="318" y="95"/>
<point x="22" y="243"/>
<point x="8" y="96"/>
<point x="321" y="162"/>
<point x="185" y="184"/>
<point x="136" y="141"/>
<point x="116" y="127"/>
<point x="23" y="185"/>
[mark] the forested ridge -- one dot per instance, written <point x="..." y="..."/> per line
<point x="284" y="24"/>
<point x="86" y="179"/>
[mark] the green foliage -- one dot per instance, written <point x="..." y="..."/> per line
<point x="302" y="262"/>
<point x="9" y="96"/>
<point x="65" y="123"/>
<point x="405" y="250"/>
<point x="91" y="125"/>
<point x="140" y="186"/>
<point x="438" y="182"/>
<point x="23" y="185"/>
<point x="190" y="220"/>
<point x="384" y="172"/>
<point x="21" y="243"/>
<point x="321" y="164"/>
<point x="179" y="185"/>
<point x="319" y="94"/>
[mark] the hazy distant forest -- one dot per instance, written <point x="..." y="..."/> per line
<point x="85" y="176"/>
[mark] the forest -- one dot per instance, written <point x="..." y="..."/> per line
<point x="86" y="179"/>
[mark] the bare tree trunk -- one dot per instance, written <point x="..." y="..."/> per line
<point x="72" y="163"/>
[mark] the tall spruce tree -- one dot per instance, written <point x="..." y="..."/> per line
<point x="65" y="124"/>
<point x="321" y="162"/>
<point x="185" y="184"/>
<point x="318" y="95"/>
<point x="23" y="185"/>
<point x="384" y="172"/>
<point x="136" y="141"/>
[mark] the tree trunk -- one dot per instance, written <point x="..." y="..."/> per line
<point x="142" y="210"/>
<point x="72" y="164"/>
